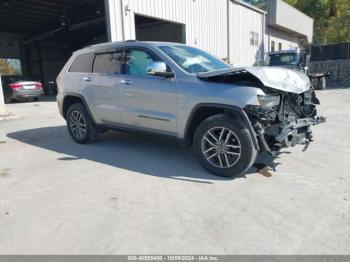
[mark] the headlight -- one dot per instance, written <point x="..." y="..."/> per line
<point x="269" y="101"/>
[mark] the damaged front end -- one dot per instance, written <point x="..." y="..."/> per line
<point x="285" y="112"/>
<point x="284" y="119"/>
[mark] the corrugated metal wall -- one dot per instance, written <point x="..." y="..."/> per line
<point x="288" y="41"/>
<point x="243" y="22"/>
<point x="205" y="20"/>
<point x="206" y="24"/>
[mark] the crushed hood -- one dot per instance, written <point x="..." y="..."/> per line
<point x="278" y="78"/>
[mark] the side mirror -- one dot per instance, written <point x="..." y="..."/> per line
<point x="158" y="69"/>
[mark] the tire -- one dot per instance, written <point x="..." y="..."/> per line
<point x="232" y="161"/>
<point x="88" y="132"/>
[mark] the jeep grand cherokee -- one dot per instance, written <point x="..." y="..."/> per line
<point x="174" y="90"/>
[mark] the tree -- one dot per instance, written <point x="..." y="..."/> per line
<point x="338" y="24"/>
<point x="318" y="10"/>
<point x="10" y="67"/>
<point x="331" y="18"/>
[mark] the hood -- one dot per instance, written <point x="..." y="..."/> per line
<point x="278" y="78"/>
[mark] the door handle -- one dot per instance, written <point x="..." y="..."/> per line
<point x="87" y="79"/>
<point x="126" y="82"/>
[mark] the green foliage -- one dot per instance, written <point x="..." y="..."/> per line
<point x="338" y="29"/>
<point x="10" y="67"/>
<point x="318" y="10"/>
<point x="331" y="18"/>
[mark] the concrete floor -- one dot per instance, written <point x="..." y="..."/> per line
<point x="133" y="194"/>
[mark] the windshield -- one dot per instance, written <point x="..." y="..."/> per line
<point x="193" y="60"/>
<point x="284" y="59"/>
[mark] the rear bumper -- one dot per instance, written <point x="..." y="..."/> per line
<point x="22" y="94"/>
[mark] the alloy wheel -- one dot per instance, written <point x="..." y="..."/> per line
<point x="221" y="147"/>
<point x="77" y="124"/>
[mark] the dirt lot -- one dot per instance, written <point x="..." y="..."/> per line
<point x="144" y="195"/>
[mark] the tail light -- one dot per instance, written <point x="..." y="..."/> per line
<point x="39" y="85"/>
<point x="15" y="86"/>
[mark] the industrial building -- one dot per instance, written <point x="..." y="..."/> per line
<point x="286" y="27"/>
<point x="37" y="36"/>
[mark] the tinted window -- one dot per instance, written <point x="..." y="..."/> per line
<point x="137" y="62"/>
<point x="108" y="63"/>
<point x="82" y="63"/>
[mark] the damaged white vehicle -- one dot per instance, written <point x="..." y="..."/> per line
<point x="178" y="91"/>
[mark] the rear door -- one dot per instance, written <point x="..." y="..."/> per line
<point x="101" y="87"/>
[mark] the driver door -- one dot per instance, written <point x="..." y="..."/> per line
<point x="147" y="102"/>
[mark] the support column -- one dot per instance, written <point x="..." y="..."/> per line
<point x="114" y="20"/>
<point x="2" y="102"/>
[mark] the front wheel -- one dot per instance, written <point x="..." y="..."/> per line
<point x="224" y="146"/>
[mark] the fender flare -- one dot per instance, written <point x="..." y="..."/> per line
<point x="230" y="109"/>
<point x="84" y="102"/>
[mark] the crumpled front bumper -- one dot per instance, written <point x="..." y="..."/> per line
<point x="297" y="132"/>
<point x="289" y="134"/>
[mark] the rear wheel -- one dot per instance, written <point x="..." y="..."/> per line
<point x="80" y="125"/>
<point x="224" y="146"/>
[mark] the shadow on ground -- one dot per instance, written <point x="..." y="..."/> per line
<point x="134" y="152"/>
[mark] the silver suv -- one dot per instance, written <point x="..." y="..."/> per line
<point x="178" y="91"/>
